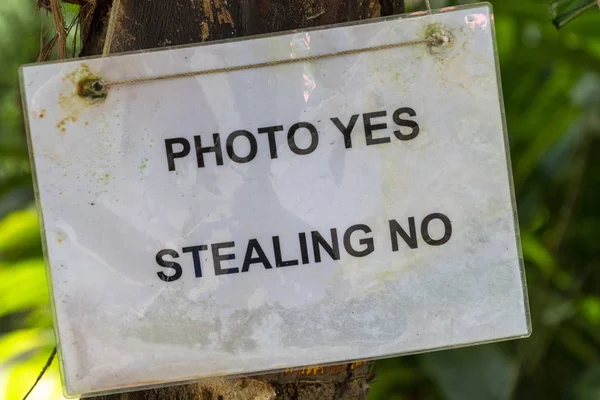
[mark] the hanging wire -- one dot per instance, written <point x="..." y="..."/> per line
<point x="42" y="372"/>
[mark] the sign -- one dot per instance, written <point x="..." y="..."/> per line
<point x="345" y="208"/>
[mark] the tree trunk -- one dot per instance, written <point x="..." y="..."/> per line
<point x="145" y="24"/>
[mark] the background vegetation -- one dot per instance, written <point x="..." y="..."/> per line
<point x="551" y="82"/>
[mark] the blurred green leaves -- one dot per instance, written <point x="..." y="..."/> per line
<point x="587" y="386"/>
<point x="20" y="234"/>
<point x="26" y="336"/>
<point x="25" y="323"/>
<point x="480" y="372"/>
<point x="23" y="287"/>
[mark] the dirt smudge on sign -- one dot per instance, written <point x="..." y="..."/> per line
<point x="72" y="103"/>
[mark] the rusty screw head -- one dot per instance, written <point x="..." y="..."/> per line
<point x="92" y="88"/>
<point x="441" y="42"/>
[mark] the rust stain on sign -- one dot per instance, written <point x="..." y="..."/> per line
<point x="75" y="102"/>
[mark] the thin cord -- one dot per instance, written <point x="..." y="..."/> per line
<point x="110" y="31"/>
<point x="436" y="39"/>
<point x="48" y="363"/>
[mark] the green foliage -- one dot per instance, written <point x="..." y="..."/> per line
<point x="495" y="381"/>
<point x="551" y="84"/>
<point x="26" y="337"/>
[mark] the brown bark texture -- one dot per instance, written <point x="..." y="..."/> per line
<point x="146" y="24"/>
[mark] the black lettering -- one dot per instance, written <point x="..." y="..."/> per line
<point x="231" y="151"/>
<point x="270" y="131"/>
<point x="319" y="241"/>
<point x="216" y="148"/>
<point x="168" y="264"/>
<point x="346" y="130"/>
<point x="262" y="257"/>
<point x="406" y="122"/>
<point x="368" y="242"/>
<point x="425" y="229"/>
<point x="369" y="128"/>
<point x="171" y="156"/>
<point x="395" y="229"/>
<point x="303" y="248"/>
<point x="314" y="137"/>
<point x="218" y="258"/>
<point x="279" y="262"/>
<point x="195" y="250"/>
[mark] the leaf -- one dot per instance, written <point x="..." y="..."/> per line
<point x="535" y="252"/>
<point x="11" y="151"/>
<point x="394" y="375"/>
<point x="587" y="386"/>
<point x="23" y="286"/>
<point x="557" y="312"/>
<point x="577" y="345"/>
<point x="18" y="343"/>
<point x="19" y="229"/>
<point x="586" y="26"/>
<point x="481" y="372"/>
<point x="590" y="308"/>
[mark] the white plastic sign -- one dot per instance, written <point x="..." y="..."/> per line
<point x="352" y="207"/>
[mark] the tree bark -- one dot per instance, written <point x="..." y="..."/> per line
<point x="145" y="24"/>
<point x="150" y="24"/>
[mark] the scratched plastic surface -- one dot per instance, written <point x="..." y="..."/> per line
<point x="349" y="208"/>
